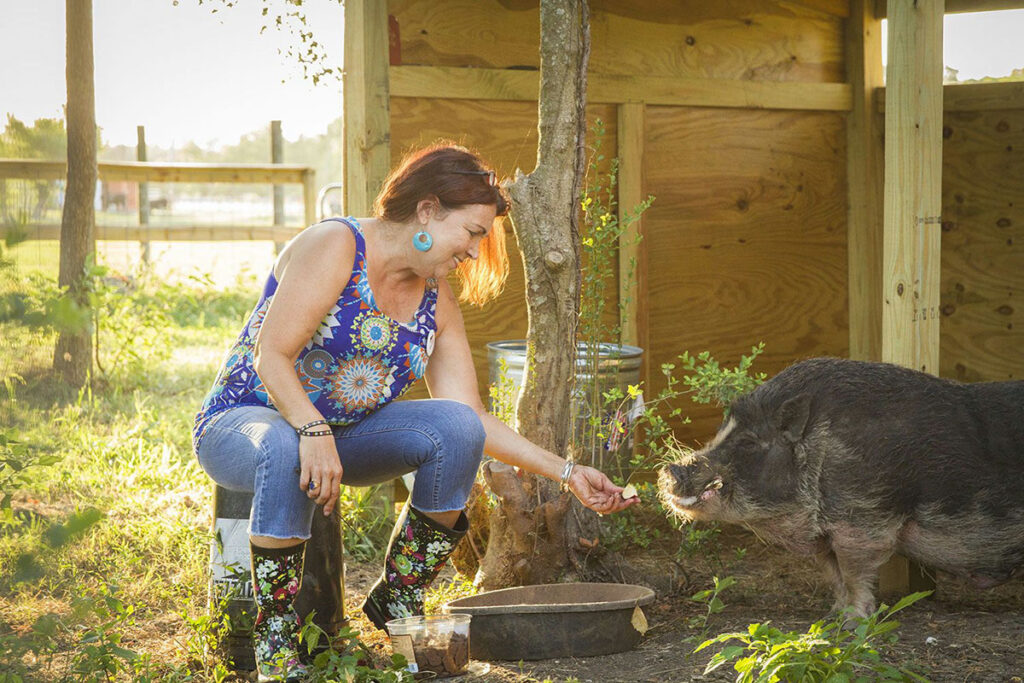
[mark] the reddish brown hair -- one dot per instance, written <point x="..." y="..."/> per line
<point x="457" y="178"/>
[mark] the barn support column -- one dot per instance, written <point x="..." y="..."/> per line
<point x="865" y="170"/>
<point x="632" y="284"/>
<point x="366" y="96"/>
<point x="913" y="201"/>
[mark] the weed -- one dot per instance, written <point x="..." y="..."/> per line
<point x="827" y="651"/>
<point x="344" y="658"/>
<point x="713" y="604"/>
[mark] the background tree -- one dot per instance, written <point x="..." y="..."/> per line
<point x="72" y="357"/>
<point x="44" y="139"/>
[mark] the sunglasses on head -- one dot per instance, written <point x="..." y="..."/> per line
<point x="492" y="178"/>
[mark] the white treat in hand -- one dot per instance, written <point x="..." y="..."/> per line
<point x="629" y="492"/>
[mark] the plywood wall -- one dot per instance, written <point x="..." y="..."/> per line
<point x="746" y="238"/>
<point x="505" y="134"/>
<point x="982" y="304"/>
<point x="729" y="39"/>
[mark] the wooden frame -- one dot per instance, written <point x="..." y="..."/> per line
<point x="152" y="172"/>
<point x="447" y="82"/>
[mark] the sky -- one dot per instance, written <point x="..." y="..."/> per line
<point x="183" y="72"/>
<point x="188" y="74"/>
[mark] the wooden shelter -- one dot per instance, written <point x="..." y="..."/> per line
<point x="758" y="125"/>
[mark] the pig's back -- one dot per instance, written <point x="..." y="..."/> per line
<point x="913" y="438"/>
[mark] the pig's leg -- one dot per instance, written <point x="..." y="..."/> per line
<point x="826" y="559"/>
<point x="858" y="569"/>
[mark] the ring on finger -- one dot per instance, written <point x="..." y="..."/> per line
<point x="312" y="486"/>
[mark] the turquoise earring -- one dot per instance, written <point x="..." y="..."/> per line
<point x="422" y="241"/>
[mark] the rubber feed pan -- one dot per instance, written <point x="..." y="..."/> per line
<point x="553" y="620"/>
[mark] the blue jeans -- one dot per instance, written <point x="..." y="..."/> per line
<point x="253" y="448"/>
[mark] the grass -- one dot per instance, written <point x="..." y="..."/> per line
<point x="124" y="511"/>
<point x="104" y="553"/>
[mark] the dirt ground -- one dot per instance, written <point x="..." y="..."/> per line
<point x="958" y="635"/>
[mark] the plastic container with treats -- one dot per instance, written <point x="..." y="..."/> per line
<point x="436" y="646"/>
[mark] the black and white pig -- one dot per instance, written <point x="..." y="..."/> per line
<point x="852" y="461"/>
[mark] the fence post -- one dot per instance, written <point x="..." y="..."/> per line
<point x="277" y="157"/>
<point x="140" y="155"/>
<point x="309" y="196"/>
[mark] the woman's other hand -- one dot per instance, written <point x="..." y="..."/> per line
<point x="596" y="491"/>
<point x="321" y="466"/>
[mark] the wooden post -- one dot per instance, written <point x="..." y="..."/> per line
<point x="632" y="285"/>
<point x="865" y="170"/>
<point x="913" y="201"/>
<point x="367" y="124"/>
<point x="277" y="157"/>
<point x="140" y="155"/>
<point x="309" y="196"/>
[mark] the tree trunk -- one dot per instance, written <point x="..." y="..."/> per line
<point x="72" y="357"/>
<point x="527" y="538"/>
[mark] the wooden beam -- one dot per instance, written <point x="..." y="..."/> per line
<point x="201" y="173"/>
<point x="44" y="169"/>
<point x="172" y="233"/>
<point x="976" y="96"/>
<point x="961" y="6"/>
<point x="632" y="292"/>
<point x="837" y="8"/>
<point x="865" y="168"/>
<point x="365" y="87"/>
<point x="512" y="84"/>
<point x="913" y="201"/>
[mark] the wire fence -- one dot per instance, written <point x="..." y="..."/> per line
<point x="215" y="221"/>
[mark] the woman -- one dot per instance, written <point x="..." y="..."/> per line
<point x="354" y="312"/>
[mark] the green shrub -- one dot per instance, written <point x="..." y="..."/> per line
<point x="828" y="652"/>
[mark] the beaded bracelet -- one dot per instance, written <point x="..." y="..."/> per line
<point x="304" y="430"/>
<point x="322" y="432"/>
<point x="563" y="483"/>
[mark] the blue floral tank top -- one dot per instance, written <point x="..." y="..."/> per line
<point x="357" y="361"/>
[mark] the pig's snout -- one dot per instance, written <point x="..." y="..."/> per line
<point x="687" y="486"/>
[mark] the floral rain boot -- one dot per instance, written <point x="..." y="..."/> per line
<point x="276" y="576"/>
<point x="418" y="550"/>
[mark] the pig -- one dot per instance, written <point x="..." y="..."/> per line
<point x="853" y="461"/>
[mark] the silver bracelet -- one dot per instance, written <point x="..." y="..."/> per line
<point x="563" y="482"/>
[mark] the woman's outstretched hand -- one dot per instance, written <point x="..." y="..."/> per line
<point x="597" y="492"/>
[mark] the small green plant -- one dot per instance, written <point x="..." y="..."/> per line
<point x="827" y="651"/>
<point x="713" y="604"/>
<point x="17" y="461"/>
<point x="710" y="383"/>
<point x="344" y="658"/>
<point x="602" y="235"/>
<point x="503" y="394"/>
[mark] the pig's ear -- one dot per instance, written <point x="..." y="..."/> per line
<point x="791" y="418"/>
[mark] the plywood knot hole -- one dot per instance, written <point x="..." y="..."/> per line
<point x="948" y="226"/>
<point x="1004" y="222"/>
<point x="742" y="204"/>
<point x="1005" y="310"/>
<point x="1002" y="126"/>
<point x="948" y="309"/>
<point x="899" y="289"/>
<point x="690" y="40"/>
<point x="947" y="132"/>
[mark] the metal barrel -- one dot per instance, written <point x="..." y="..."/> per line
<point x="323" y="577"/>
<point x="612" y="365"/>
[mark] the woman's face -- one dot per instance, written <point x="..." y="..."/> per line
<point x="456" y="234"/>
